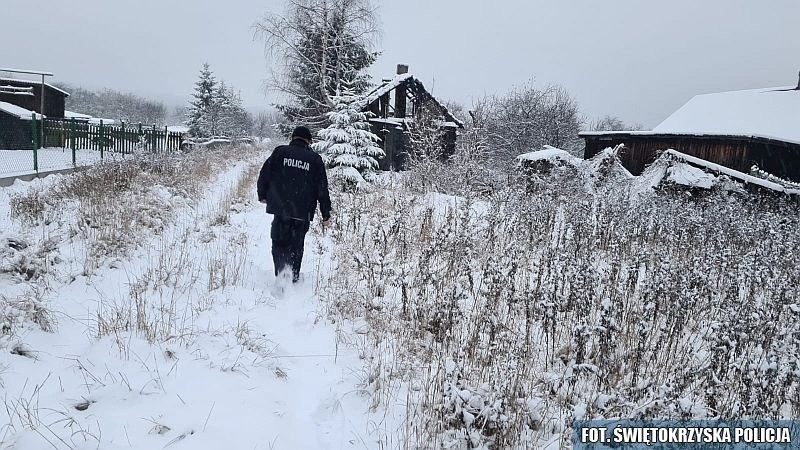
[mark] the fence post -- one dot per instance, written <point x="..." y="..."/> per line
<point x="72" y="141"/>
<point x="166" y="138"/>
<point x="35" y="130"/>
<point x="124" y="141"/>
<point x="100" y="140"/>
<point x="155" y="143"/>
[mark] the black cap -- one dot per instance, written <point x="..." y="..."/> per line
<point x="303" y="133"/>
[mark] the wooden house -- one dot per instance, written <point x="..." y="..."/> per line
<point x="738" y="130"/>
<point x="394" y="105"/>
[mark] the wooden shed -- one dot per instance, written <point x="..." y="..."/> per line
<point x="738" y="130"/>
<point x="16" y="132"/>
<point x="28" y="94"/>
<point x="395" y="104"/>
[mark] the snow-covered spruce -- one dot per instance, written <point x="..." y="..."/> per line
<point x="347" y="145"/>
<point x="216" y="109"/>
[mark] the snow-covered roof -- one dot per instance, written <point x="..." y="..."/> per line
<point x="97" y="120"/>
<point x="76" y="115"/>
<point x="772" y="113"/>
<point x="547" y="153"/>
<point x="385" y="88"/>
<point x="178" y="129"/>
<point x="33" y="83"/>
<point x="28" y="71"/>
<point x="17" y="111"/>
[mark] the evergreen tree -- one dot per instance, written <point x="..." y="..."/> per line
<point x="347" y="144"/>
<point x="202" y="105"/>
<point x="220" y="111"/>
<point x="216" y="109"/>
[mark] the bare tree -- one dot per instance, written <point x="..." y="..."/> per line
<point x="110" y="104"/>
<point x="264" y="125"/>
<point x="525" y="119"/>
<point x="321" y="48"/>
<point x="611" y="123"/>
<point x="425" y="132"/>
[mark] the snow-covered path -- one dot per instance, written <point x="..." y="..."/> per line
<point x="254" y="371"/>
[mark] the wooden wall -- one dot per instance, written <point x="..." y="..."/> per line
<point x="739" y="153"/>
<point x="15" y="133"/>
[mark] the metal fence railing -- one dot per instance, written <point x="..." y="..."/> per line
<point x="36" y="144"/>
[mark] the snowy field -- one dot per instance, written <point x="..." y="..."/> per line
<point x="20" y="162"/>
<point x="173" y="339"/>
<point x="137" y="308"/>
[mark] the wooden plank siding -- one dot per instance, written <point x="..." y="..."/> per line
<point x="54" y="100"/>
<point x="15" y="133"/>
<point x="740" y="153"/>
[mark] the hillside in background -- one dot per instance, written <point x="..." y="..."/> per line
<point x="115" y="105"/>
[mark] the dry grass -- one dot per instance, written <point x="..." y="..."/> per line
<point x="185" y="270"/>
<point x="501" y="323"/>
<point x="107" y="211"/>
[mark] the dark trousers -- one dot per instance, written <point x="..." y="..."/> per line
<point x="288" y="237"/>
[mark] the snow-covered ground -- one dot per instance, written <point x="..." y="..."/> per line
<point x="228" y="364"/>
<point x="575" y="292"/>
<point x="20" y="162"/>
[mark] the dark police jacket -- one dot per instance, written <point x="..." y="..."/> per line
<point x="292" y="181"/>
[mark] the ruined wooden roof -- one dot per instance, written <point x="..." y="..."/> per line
<point x="414" y="89"/>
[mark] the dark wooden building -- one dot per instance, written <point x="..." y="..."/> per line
<point x="738" y="130"/>
<point x="16" y="132"/>
<point x="394" y="105"/>
<point x="28" y="95"/>
<point x="19" y="100"/>
<point x="780" y="158"/>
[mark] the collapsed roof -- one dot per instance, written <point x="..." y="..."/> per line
<point x="415" y="90"/>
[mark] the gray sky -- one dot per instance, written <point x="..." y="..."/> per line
<point x="639" y="60"/>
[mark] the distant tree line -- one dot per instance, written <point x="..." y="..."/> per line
<point x="612" y="123"/>
<point x="111" y="104"/>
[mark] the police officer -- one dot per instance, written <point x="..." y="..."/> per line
<point x="291" y="183"/>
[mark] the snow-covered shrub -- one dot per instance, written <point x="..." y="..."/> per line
<point x="30" y="207"/>
<point x="467" y="173"/>
<point x="347" y="145"/>
<point x="561" y="301"/>
<point x="29" y="308"/>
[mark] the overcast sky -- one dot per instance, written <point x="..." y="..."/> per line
<point x="639" y="60"/>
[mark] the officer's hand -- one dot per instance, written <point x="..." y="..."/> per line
<point x="327" y="222"/>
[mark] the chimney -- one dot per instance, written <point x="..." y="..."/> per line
<point x="400" y="94"/>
